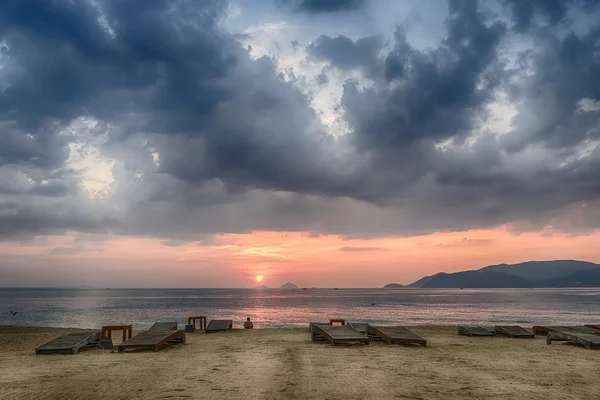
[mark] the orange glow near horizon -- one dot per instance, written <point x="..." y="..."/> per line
<point x="230" y="260"/>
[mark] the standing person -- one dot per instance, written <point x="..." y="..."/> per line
<point x="248" y="324"/>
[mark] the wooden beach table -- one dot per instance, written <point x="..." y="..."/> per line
<point x="588" y="340"/>
<point x="69" y="343"/>
<point x="107" y="331"/>
<point x="159" y="335"/>
<point x="337" y="334"/>
<point x="474" y="331"/>
<point x="395" y="334"/>
<point x="218" y="325"/>
<point x="513" y="331"/>
<point x="201" y="321"/>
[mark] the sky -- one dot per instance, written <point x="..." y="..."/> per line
<point x="330" y="143"/>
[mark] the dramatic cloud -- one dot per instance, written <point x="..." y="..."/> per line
<point x="558" y="93"/>
<point x="325" y="6"/>
<point x="151" y="118"/>
<point x="553" y="11"/>
<point x="346" y="54"/>
<point x="434" y="94"/>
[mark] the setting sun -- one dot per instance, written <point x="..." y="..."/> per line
<point x="259" y="278"/>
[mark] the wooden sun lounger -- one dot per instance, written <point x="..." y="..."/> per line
<point x="474" y="331"/>
<point x="589" y="340"/>
<point x="545" y="330"/>
<point x="337" y="334"/>
<point x="395" y="334"/>
<point x="69" y="343"/>
<point x="159" y="335"/>
<point x="513" y="331"/>
<point x="217" y="325"/>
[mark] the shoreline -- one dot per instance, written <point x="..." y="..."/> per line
<point x="274" y="363"/>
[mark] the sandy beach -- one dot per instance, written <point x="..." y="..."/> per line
<point x="285" y="364"/>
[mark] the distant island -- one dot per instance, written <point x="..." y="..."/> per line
<point x="288" y="285"/>
<point x="393" y="286"/>
<point x="531" y="274"/>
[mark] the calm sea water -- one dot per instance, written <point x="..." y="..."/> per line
<point x="295" y="308"/>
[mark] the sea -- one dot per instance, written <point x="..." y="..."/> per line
<point x="291" y="308"/>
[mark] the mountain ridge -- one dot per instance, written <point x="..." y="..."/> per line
<point x="529" y="274"/>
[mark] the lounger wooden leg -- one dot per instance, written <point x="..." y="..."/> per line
<point x="124" y="335"/>
<point x="548" y="339"/>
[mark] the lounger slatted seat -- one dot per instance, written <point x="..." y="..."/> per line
<point x="584" y="329"/>
<point x="513" y="331"/>
<point x="164" y="326"/>
<point x="359" y="326"/>
<point x="70" y="343"/>
<point x="597" y="326"/>
<point x="337" y="334"/>
<point x="589" y="340"/>
<point x="474" y="331"/>
<point x="159" y="335"/>
<point x="217" y="325"/>
<point x="395" y="334"/>
<point x="544" y="329"/>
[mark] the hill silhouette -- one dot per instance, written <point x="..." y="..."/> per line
<point x="558" y="273"/>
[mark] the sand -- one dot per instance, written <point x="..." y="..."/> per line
<point x="285" y="364"/>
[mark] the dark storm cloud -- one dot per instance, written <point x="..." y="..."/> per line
<point x="430" y="94"/>
<point x="162" y="69"/>
<point x="148" y="63"/>
<point x="237" y="149"/>
<point x="524" y="12"/>
<point x="436" y="94"/>
<point x="347" y="54"/>
<point x="165" y="69"/>
<point x="324" y="6"/>
<point x="558" y="99"/>
<point x="31" y="217"/>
